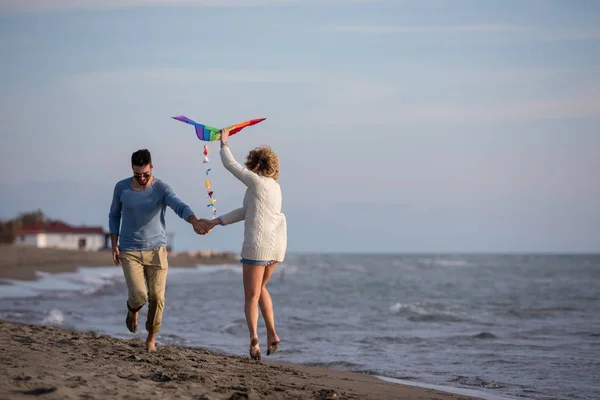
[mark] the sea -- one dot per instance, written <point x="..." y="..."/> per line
<point x="492" y="326"/>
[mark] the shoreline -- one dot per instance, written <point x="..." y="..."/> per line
<point x="64" y="363"/>
<point x="23" y="262"/>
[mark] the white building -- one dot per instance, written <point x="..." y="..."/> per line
<point x="59" y="235"/>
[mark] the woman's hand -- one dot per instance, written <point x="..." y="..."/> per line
<point x="224" y="135"/>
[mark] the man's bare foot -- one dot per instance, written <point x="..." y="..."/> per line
<point x="272" y="342"/>
<point x="151" y="342"/>
<point x="132" y="321"/>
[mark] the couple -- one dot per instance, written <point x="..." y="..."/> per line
<point x="138" y="237"/>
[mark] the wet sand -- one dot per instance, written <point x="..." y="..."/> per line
<point x="55" y="363"/>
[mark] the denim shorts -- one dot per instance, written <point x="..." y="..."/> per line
<point x="256" y="262"/>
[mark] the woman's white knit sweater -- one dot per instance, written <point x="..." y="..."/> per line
<point x="265" y="230"/>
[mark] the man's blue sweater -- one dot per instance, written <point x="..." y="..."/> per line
<point x="138" y="216"/>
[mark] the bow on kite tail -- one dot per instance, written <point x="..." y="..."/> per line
<point x="208" y="134"/>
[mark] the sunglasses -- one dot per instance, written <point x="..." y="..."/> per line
<point x="145" y="175"/>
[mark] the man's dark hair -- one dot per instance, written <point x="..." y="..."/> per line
<point x="141" y="158"/>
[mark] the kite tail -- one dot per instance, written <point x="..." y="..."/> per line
<point x="209" y="192"/>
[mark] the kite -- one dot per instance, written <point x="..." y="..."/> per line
<point x="208" y="134"/>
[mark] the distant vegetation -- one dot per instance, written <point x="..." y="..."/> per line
<point x="9" y="228"/>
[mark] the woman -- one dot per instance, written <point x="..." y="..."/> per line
<point x="265" y="234"/>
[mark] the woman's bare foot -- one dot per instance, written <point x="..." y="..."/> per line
<point x="151" y="342"/>
<point x="254" y="349"/>
<point x="272" y="342"/>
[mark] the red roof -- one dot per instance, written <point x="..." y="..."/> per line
<point x="57" y="227"/>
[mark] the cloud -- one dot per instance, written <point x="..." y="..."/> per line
<point x="313" y="87"/>
<point x="427" y="29"/>
<point x="187" y="76"/>
<point x="579" y="34"/>
<point x="421" y="95"/>
<point x="521" y="32"/>
<point x="50" y="5"/>
<point x="8" y="6"/>
<point x="581" y="105"/>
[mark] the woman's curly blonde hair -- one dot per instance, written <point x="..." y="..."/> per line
<point x="263" y="161"/>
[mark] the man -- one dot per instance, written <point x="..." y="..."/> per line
<point x="138" y="237"/>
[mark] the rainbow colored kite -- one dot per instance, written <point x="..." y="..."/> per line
<point x="209" y="133"/>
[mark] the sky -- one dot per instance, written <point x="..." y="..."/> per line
<point x="402" y="126"/>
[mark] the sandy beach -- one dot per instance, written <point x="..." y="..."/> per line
<point x="56" y="363"/>
<point x="22" y="262"/>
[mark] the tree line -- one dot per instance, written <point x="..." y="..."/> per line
<point x="9" y="228"/>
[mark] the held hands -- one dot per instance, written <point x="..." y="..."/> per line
<point x="200" y="226"/>
<point x="203" y="226"/>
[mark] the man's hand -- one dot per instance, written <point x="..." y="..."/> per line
<point x="115" y="254"/>
<point x="114" y="243"/>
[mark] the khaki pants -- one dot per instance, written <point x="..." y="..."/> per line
<point x="146" y="276"/>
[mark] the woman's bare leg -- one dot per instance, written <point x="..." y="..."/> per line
<point x="266" y="307"/>
<point x="253" y="277"/>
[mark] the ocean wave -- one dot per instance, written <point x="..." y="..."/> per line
<point x="211" y="269"/>
<point x="173" y="340"/>
<point x="304" y="324"/>
<point x="378" y="373"/>
<point x="286" y="269"/>
<point x="587" y="333"/>
<point x="476" y="381"/>
<point x="234" y="328"/>
<point x="444" y="262"/>
<point x="485" y="335"/>
<point x="62" y="285"/>
<point x="298" y="323"/>
<point x="344" y="365"/>
<point x="54" y="317"/>
<point x="21" y="315"/>
<point x="376" y="340"/>
<point x="208" y="269"/>
<point x="541" y="312"/>
<point x="322" y="265"/>
<point x="425" y="312"/>
<point x="289" y="352"/>
<point x="354" y="267"/>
